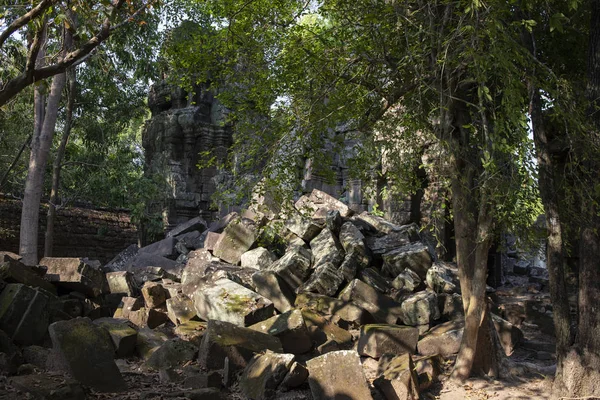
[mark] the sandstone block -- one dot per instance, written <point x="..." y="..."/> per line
<point x="259" y="258"/>
<point x="123" y="336"/>
<point x="371" y="277"/>
<point x="154" y="294"/>
<point x="148" y="341"/>
<point x="85" y="351"/>
<point x="399" y="380"/>
<point x="408" y="281"/>
<point x="75" y="274"/>
<point x="264" y="373"/>
<point x="228" y="301"/>
<point x="274" y="288"/>
<point x="327" y="248"/>
<point x="180" y="309"/>
<point x="383" y="308"/>
<point x="341" y="312"/>
<point x="171" y="354"/>
<point x="296" y="376"/>
<point x="442" y="339"/>
<point x="290" y="328"/>
<point x="377" y="340"/>
<point x="413" y="256"/>
<point x="24" y="313"/>
<point x="235" y="240"/>
<point x="443" y="278"/>
<point x="12" y="271"/>
<point x="194" y="224"/>
<point x="325" y="279"/>
<point x="304" y="228"/>
<point x="293" y="267"/>
<point x="337" y="374"/>
<point x="121" y="282"/>
<point x="420" y="309"/>
<point x="162" y="248"/>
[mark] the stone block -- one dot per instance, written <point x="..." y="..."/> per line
<point x="510" y="336"/>
<point x="405" y="235"/>
<point x="148" y="341"/>
<point x="321" y="200"/>
<point x="341" y="312"/>
<point x="228" y="301"/>
<point x="451" y="306"/>
<point x="121" y="282"/>
<point x="413" y="256"/>
<point x="180" y="309"/>
<point x="193" y="240"/>
<point x="24" y="313"/>
<point x="75" y="274"/>
<point x="85" y="351"/>
<point x="145" y="260"/>
<point x="129" y="304"/>
<point x="407" y="281"/>
<point x="383" y="308"/>
<point x="223" y="340"/>
<point x="192" y="331"/>
<point x="443" y="278"/>
<point x="377" y="340"/>
<point x="296" y="376"/>
<point x="327" y="248"/>
<point x="338" y="375"/>
<point x="194" y="224"/>
<point x="122" y="260"/>
<point x="420" y="309"/>
<point x="172" y="353"/>
<point x="123" y="336"/>
<point x="154" y="294"/>
<point x="322" y="331"/>
<point x="148" y="317"/>
<point x="333" y="221"/>
<point x="211" y="240"/>
<point x="274" y="288"/>
<point x="47" y="387"/>
<point x="258" y="258"/>
<point x="162" y="248"/>
<point x="443" y="339"/>
<point x="399" y="380"/>
<point x="291" y="330"/>
<point x="236" y="239"/>
<point x="263" y="375"/>
<point x="12" y="271"/>
<point x="428" y="369"/>
<point x="294" y="266"/>
<point x="371" y="277"/>
<point x="377" y="223"/>
<point x="353" y="241"/>
<point x="325" y="279"/>
<point x="303" y="227"/>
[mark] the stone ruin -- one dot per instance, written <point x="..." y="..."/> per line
<point x="322" y="303"/>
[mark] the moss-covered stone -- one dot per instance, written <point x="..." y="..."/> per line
<point x="378" y="339"/>
<point x="264" y="373"/>
<point x="290" y="328"/>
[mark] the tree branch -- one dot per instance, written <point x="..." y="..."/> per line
<point x="23" y="20"/>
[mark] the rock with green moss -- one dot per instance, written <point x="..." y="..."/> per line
<point x="414" y="256"/>
<point x="148" y="341"/>
<point x="13" y="271"/>
<point x="123" y="336"/>
<point x="180" y="309"/>
<point x="25" y="313"/>
<point x="47" y="387"/>
<point x="325" y="279"/>
<point x="85" y="351"/>
<point x="303" y="227"/>
<point x="224" y="340"/>
<point x="338" y="375"/>
<point x="271" y="286"/>
<point x="377" y="340"/>
<point x="264" y="373"/>
<point x="226" y="300"/>
<point x="443" y="339"/>
<point x="290" y="328"/>
<point x="121" y="282"/>
<point x="171" y="354"/>
<point x="420" y="309"/>
<point x="294" y="266"/>
<point x="327" y="248"/>
<point x="237" y="238"/>
<point x="398" y="380"/>
<point x="192" y="331"/>
<point x="344" y="313"/>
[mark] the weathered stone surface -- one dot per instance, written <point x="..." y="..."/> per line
<point x="413" y="256"/>
<point x="123" y="336"/>
<point x="274" y="288"/>
<point x="451" y="306"/>
<point x="428" y="369"/>
<point x="333" y="221"/>
<point x="211" y="240"/>
<point x="74" y="274"/>
<point x="194" y="224"/>
<point x="318" y="200"/>
<point x="85" y="351"/>
<point x="259" y="258"/>
<point x="148" y="341"/>
<point x="192" y="331"/>
<point x="12" y="271"/>
<point x="231" y="302"/>
<point x="321" y="330"/>
<point x="154" y="294"/>
<point x="199" y="273"/>
<point x="10" y="355"/>
<point x="145" y="260"/>
<point x="383" y="308"/>
<point x="352" y="241"/>
<point x="180" y="309"/>
<point x="377" y="340"/>
<point x="371" y="277"/>
<point x="264" y="373"/>
<point x="9" y="256"/>
<point x="294" y="266"/>
<point x="170" y="354"/>
<point x="36" y="355"/>
<point x="122" y="260"/>
<point x="235" y="240"/>
<point x="296" y="376"/>
<point x="48" y="387"/>
<point x="338" y="375"/>
<point x="443" y="339"/>
<point x="24" y="313"/>
<point x="539" y="312"/>
<point x="121" y="282"/>
<point x="420" y="309"/>
<point x="407" y="280"/>
<point x="325" y="279"/>
<point x="510" y="336"/>
<point x="223" y="340"/>
<point x="344" y="313"/>
<point x="327" y="248"/>
<point x="399" y="381"/>
<point x="405" y="235"/>
<point x="350" y="266"/>
<point x="128" y="305"/>
<point x="149" y="317"/>
<point x="290" y="328"/>
<point x="193" y="240"/>
<point x="163" y="248"/>
<point x="303" y="227"/>
<point x="443" y="278"/>
<point x="378" y="223"/>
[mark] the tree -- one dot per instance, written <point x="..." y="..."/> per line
<point x="388" y="72"/>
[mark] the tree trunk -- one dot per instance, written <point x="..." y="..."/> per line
<point x="35" y="175"/>
<point x="60" y="153"/>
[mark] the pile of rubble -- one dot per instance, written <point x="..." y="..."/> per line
<point x="324" y="304"/>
